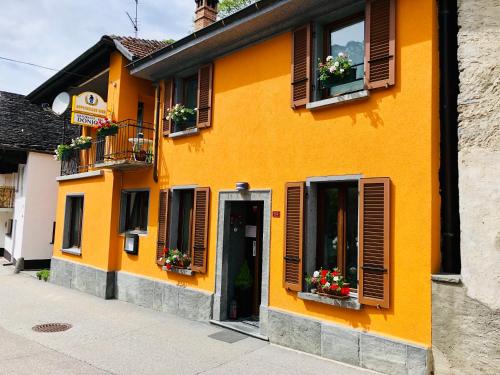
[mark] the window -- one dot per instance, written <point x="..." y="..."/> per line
<point x="182" y="219"/>
<point x="20" y="180"/>
<point x="188" y="96"/>
<point x="346" y="37"/>
<point x="134" y="211"/>
<point x="140" y="115"/>
<point x="73" y="222"/>
<point x="337" y="233"/>
<point x="10" y="225"/>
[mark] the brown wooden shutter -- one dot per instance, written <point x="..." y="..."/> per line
<point x="301" y="66"/>
<point x="199" y="241"/>
<point x="162" y="223"/>
<point x="380" y="43"/>
<point x="294" y="235"/>
<point x="374" y="226"/>
<point x="204" y="115"/>
<point x="168" y="102"/>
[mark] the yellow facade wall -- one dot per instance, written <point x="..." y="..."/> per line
<point x="256" y="137"/>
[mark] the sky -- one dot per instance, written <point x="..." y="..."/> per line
<point x="53" y="33"/>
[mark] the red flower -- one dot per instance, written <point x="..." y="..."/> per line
<point x="169" y="266"/>
<point x="334" y="287"/>
<point x="324" y="272"/>
<point x="323" y="281"/>
<point x="345" y="291"/>
<point x="335" y="273"/>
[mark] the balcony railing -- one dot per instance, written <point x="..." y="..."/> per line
<point x="7" y="194"/>
<point x="131" y="148"/>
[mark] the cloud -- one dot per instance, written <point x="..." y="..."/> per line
<point x="53" y="33"/>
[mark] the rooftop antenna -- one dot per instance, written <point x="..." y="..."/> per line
<point x="134" y="21"/>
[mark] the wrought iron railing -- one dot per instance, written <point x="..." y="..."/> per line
<point x="131" y="145"/>
<point x="7" y="195"/>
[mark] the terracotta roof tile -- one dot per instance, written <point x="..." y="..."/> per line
<point x="139" y="48"/>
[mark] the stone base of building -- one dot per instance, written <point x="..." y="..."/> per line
<point x="347" y="345"/>
<point x="465" y="335"/>
<point x="161" y="296"/>
<point x="83" y="278"/>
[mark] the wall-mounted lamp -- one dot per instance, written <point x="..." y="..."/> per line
<point x="242" y="186"/>
<point x="131" y="243"/>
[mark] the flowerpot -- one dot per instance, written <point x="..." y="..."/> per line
<point x="331" y="295"/>
<point x="140" y="155"/>
<point x="66" y="155"/>
<point x="349" y="76"/>
<point x="85" y="146"/>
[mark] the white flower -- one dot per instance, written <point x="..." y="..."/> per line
<point x="316" y="274"/>
<point x="341" y="70"/>
<point x="327" y="285"/>
<point x="329" y="58"/>
<point x="336" y="63"/>
<point x="168" y="261"/>
<point x="332" y="69"/>
<point x="335" y="278"/>
<point x="341" y="54"/>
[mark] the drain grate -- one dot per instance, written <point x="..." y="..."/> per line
<point x="52" y="327"/>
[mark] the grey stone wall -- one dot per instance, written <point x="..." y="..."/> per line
<point x="465" y="333"/>
<point x="83" y="278"/>
<point x="479" y="148"/>
<point x="161" y="296"/>
<point x="347" y="345"/>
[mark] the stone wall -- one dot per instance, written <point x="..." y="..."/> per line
<point x="479" y="148"/>
<point x="465" y="333"/>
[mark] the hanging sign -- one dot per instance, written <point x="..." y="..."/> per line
<point x="83" y="119"/>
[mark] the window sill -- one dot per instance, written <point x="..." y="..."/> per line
<point x="346" y="98"/>
<point x="78" y="176"/>
<point x="180" y="271"/>
<point x="72" y="251"/>
<point x="184" y="133"/>
<point x="348" y="303"/>
<point x="447" y="278"/>
<point x="140" y="233"/>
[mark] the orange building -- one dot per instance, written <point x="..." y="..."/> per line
<point x="284" y="169"/>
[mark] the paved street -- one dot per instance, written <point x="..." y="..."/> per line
<point x="113" y="337"/>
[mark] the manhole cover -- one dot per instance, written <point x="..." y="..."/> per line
<point x="52" y="327"/>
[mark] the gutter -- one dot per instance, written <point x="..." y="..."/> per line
<point x="157" y="126"/>
<point x="448" y="173"/>
<point x="211" y="29"/>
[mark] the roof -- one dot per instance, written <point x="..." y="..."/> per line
<point x="250" y="25"/>
<point x="27" y="127"/>
<point x="138" y="48"/>
<point x="91" y="62"/>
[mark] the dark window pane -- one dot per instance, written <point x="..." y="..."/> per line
<point x="73" y="222"/>
<point x="135" y="210"/>
<point x="351" y="263"/>
<point x="185" y="220"/>
<point x="330" y="224"/>
<point x="189" y="100"/>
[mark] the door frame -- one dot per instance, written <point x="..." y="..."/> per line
<point x="219" y="311"/>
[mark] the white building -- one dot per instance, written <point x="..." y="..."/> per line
<point x="28" y="187"/>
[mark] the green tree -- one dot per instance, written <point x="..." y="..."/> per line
<point x="228" y="7"/>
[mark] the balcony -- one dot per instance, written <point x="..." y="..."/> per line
<point x="7" y="194"/>
<point x="131" y="148"/>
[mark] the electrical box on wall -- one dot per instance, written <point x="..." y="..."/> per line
<point x="131" y="243"/>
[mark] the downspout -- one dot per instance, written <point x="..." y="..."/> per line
<point x="157" y="125"/>
<point x="448" y="174"/>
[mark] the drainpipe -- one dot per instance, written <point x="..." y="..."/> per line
<point x="157" y="125"/>
<point x="448" y="174"/>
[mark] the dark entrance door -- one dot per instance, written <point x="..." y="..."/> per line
<point x="245" y="258"/>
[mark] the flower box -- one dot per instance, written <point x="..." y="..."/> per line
<point x="329" y="283"/>
<point x="349" y="76"/>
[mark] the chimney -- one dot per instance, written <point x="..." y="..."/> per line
<point x="206" y="13"/>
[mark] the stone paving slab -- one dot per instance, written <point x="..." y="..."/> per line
<point x="115" y="337"/>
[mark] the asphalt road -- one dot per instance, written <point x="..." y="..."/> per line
<point x="114" y="337"/>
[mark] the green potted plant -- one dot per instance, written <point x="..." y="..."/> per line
<point x="82" y="143"/>
<point x="63" y="152"/>
<point x="243" y="285"/>
<point x="180" y="114"/>
<point x="336" y="71"/>
<point x="43" y="275"/>
<point x="105" y="127"/>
